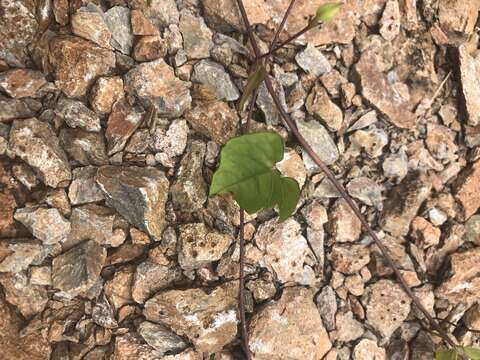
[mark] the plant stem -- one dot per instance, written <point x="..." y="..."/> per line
<point x="288" y="41"/>
<point x="241" y="287"/>
<point x="309" y="150"/>
<point x="282" y="24"/>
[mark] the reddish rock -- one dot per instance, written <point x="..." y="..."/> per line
<point x="214" y="119"/>
<point x="60" y="11"/>
<point x="31" y="346"/>
<point x="390" y="21"/>
<point x="392" y="100"/>
<point x="35" y="143"/>
<point x="464" y="284"/>
<point x="155" y="81"/>
<point x="88" y="22"/>
<point x="20" y="83"/>
<point x="105" y="92"/>
<point x="470" y="78"/>
<point x="14" y="109"/>
<point x="77" y="63"/>
<point x="458" y="16"/>
<point x="122" y="123"/>
<point x="467" y="190"/>
<point x="7" y="222"/>
<point x="142" y="25"/>
<point x="18" y="28"/>
<point x="290" y="328"/>
<point x="150" y="48"/>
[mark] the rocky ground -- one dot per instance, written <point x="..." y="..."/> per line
<point x="112" y="114"/>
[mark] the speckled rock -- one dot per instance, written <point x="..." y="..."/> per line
<point x="7" y="222"/>
<point x="349" y="259"/>
<point x="46" y="225"/>
<point x="20" y="83"/>
<point x="77" y="115"/>
<point x="366" y="190"/>
<point x="156" y="81"/>
<point x="78" y="269"/>
<point x="16" y="255"/>
<point x="89" y="23"/>
<point x="402" y="204"/>
<point x="83" y="188"/>
<point x="292" y="166"/>
<point x="467" y="190"/>
<point x="131" y="346"/>
<point x="161" y="338"/>
<point x="318" y="103"/>
<point x="368" y="349"/>
<point x="13" y="345"/>
<point x="392" y="100"/>
<point x="390" y="21"/>
<point x="122" y="123"/>
<point x="283" y="249"/>
<point x="14" y="109"/>
<point x="214" y="119"/>
<point x="160" y="12"/>
<point x="348" y="328"/>
<point x="29" y="299"/>
<point x="290" y="328"/>
<point x="148" y="186"/>
<point x="387" y="306"/>
<point x="87" y="148"/>
<point x="19" y="28"/>
<point x="198" y="246"/>
<point x="189" y="191"/>
<point x="35" y="143"/>
<point x="214" y="75"/>
<point x="327" y="307"/>
<point x="141" y="25"/>
<point x="208" y="320"/>
<point x="197" y="37"/>
<point x="464" y="284"/>
<point x="149" y="48"/>
<point x="105" y="92"/>
<point x="117" y="19"/>
<point x="343" y="223"/>
<point x="170" y="143"/>
<point x="77" y="63"/>
<point x="153" y="275"/>
<point x="320" y="140"/>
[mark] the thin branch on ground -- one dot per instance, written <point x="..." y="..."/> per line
<point x="309" y="150"/>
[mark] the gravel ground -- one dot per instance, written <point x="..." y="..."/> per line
<point x="112" y="116"/>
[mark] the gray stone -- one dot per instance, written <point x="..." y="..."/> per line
<point x="76" y="114"/>
<point x="189" y="191"/>
<point x="266" y="104"/>
<point x="85" y="147"/>
<point x="327" y="307"/>
<point x="214" y="75"/>
<point x="161" y="338"/>
<point x="117" y="19"/>
<point x="197" y="37"/>
<point x="83" y="188"/>
<point x="35" y="143"/>
<point x="14" y="109"/>
<point x="320" y="140"/>
<point x="366" y="190"/>
<point x="156" y="82"/>
<point x="312" y="61"/>
<point x="46" y="225"/>
<point x="77" y="270"/>
<point x="138" y="194"/>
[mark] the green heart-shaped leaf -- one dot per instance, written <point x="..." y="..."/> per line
<point x="247" y="170"/>
<point x="472" y="353"/>
<point x="450" y="354"/>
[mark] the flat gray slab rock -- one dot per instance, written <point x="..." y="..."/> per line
<point x="138" y="194"/>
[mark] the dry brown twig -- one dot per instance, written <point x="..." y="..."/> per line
<point x="258" y="56"/>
